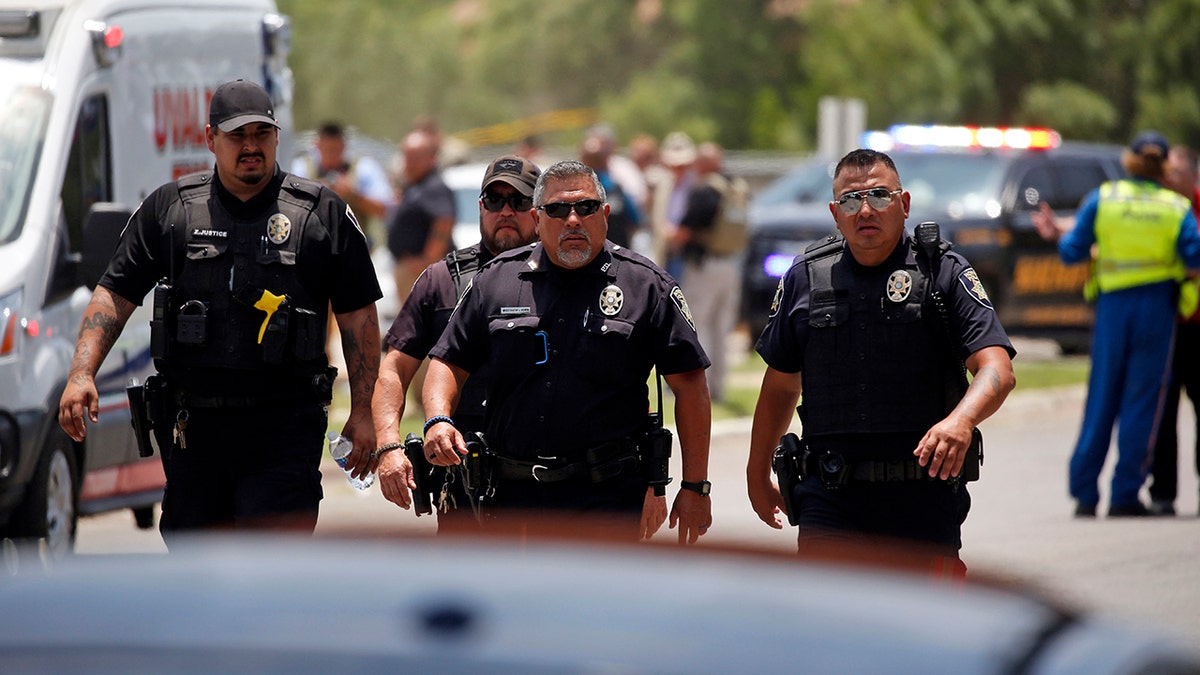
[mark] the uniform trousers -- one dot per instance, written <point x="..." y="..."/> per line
<point x="927" y="512"/>
<point x="1164" y="486"/>
<point x="253" y="467"/>
<point x="713" y="289"/>
<point x="609" y="509"/>
<point x="1131" y="355"/>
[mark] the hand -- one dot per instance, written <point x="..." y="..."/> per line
<point x="767" y="501"/>
<point x="79" y="398"/>
<point x="943" y="448"/>
<point x="1046" y="223"/>
<point x="444" y="446"/>
<point x="361" y="432"/>
<point x="654" y="514"/>
<point x="396" y="478"/>
<point x="693" y="513"/>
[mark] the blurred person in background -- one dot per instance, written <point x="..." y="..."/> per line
<point x="712" y="235"/>
<point x="624" y="219"/>
<point x="1144" y="235"/>
<point x="678" y="154"/>
<point x="360" y="181"/>
<point x="1181" y="176"/>
<point x="421" y="229"/>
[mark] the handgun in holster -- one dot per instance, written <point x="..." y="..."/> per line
<point x="414" y="449"/>
<point x="974" y="457"/>
<point x="788" y="464"/>
<point x="146" y="406"/>
<point x="654" y="452"/>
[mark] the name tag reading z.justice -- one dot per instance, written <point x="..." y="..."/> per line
<point x="508" y="311"/>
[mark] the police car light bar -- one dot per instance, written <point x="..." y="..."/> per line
<point x="939" y="136"/>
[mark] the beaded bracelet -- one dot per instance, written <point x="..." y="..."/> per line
<point x="434" y="420"/>
<point x="386" y="448"/>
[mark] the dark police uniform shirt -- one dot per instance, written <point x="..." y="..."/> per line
<point x="334" y="263"/>
<point x="973" y="322"/>
<point x="423" y="203"/>
<point x="422" y="320"/>
<point x="571" y="350"/>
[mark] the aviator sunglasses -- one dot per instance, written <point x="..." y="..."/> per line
<point x="495" y="203"/>
<point x="584" y="207"/>
<point x="878" y="198"/>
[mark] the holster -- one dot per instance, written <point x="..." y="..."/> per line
<point x="974" y="458"/>
<point x="147" y="410"/>
<point x="414" y="449"/>
<point x="788" y="464"/>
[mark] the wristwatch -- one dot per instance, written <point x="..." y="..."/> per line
<point x="700" y="487"/>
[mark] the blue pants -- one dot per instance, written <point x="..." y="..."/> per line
<point x="1131" y="355"/>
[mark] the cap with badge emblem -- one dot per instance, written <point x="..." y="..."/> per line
<point x="238" y="103"/>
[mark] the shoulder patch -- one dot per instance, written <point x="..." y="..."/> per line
<point x="681" y="304"/>
<point x="970" y="281"/>
<point x="778" y="299"/>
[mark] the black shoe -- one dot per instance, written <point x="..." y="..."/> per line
<point x="1085" y="510"/>
<point x="1134" y="510"/>
<point x="1162" y="507"/>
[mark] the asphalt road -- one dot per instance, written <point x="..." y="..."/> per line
<point x="1020" y="526"/>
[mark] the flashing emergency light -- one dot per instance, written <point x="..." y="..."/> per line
<point x="933" y="136"/>
<point x="106" y="42"/>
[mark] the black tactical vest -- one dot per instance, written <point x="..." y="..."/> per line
<point x="229" y="267"/>
<point x="874" y="361"/>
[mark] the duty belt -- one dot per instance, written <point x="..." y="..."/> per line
<point x="888" y="471"/>
<point x="314" y="389"/>
<point x="598" y="464"/>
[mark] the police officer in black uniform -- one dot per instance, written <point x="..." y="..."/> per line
<point x="879" y="329"/>
<point x="247" y="259"/>
<point x="506" y="221"/>
<point x="571" y="328"/>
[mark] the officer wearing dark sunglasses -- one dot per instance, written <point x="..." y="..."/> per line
<point x="875" y="328"/>
<point x="506" y="221"/>
<point x="571" y="329"/>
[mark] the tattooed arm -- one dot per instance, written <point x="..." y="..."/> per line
<point x="360" y="346"/>
<point x="103" y="320"/>
<point x="943" y="448"/>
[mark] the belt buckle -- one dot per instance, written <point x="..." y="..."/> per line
<point x="540" y="467"/>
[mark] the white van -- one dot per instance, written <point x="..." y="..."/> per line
<point x="101" y="101"/>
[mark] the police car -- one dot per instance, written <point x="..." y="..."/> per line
<point x="982" y="186"/>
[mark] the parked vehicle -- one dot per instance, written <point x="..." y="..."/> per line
<point x="982" y="187"/>
<point x="101" y="101"/>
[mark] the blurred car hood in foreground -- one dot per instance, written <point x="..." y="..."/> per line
<point x="499" y="605"/>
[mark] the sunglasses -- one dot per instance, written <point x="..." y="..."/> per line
<point x="879" y="198"/>
<point x="583" y="207"/>
<point x="495" y="203"/>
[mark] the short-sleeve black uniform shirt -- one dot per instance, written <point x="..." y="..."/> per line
<point x="571" y="350"/>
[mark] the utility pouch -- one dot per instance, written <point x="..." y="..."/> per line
<point x="654" y="454"/>
<point x="309" y="334"/>
<point x="974" y="458"/>
<point x="479" y="468"/>
<point x="275" y="337"/>
<point x="834" y="470"/>
<point x="161" y="320"/>
<point x="322" y="384"/>
<point x="191" y="326"/>
<point x="787" y="462"/>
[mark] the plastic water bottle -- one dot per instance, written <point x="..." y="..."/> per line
<point x="339" y="449"/>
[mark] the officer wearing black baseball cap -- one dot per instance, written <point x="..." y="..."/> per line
<point x="249" y="261"/>
<point x="506" y="222"/>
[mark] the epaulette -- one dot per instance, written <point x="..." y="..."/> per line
<point x="193" y="181"/>
<point x="827" y="246"/>
<point x="302" y="186"/>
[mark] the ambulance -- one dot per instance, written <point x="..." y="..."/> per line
<point x="101" y="101"/>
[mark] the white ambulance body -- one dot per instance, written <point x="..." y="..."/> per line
<point x="101" y="101"/>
